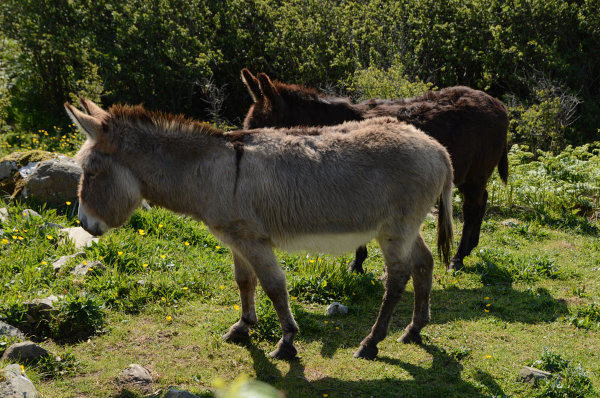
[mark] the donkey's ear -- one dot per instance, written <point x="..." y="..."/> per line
<point x="90" y="125"/>
<point x="93" y="109"/>
<point x="252" y="83"/>
<point x="267" y="87"/>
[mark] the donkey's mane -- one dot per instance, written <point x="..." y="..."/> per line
<point x="169" y="124"/>
<point x="298" y="92"/>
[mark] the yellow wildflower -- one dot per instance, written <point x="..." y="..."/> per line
<point x="50" y="237"/>
<point x="68" y="203"/>
<point x="169" y="318"/>
<point x="186" y="243"/>
<point x="141" y="232"/>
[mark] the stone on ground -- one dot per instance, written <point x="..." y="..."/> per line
<point x="15" y="384"/>
<point x="136" y="378"/>
<point x="7" y="330"/>
<point x="24" y="352"/>
<point x="79" y="236"/>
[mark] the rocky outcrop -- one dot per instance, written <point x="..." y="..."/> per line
<point x="40" y="176"/>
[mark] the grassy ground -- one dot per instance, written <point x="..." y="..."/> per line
<point x="169" y="296"/>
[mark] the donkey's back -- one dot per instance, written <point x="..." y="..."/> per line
<point x="329" y="189"/>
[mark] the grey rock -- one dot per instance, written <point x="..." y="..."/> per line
<point x="53" y="181"/>
<point x="79" y="236"/>
<point x="511" y="222"/>
<point x="85" y="268"/>
<point x="10" y="331"/>
<point x="15" y="384"/>
<point x="29" y="214"/>
<point x="174" y="393"/>
<point x="40" y="309"/>
<point x="24" y="352"/>
<point x="336" y="308"/>
<point x="7" y="169"/>
<point x="52" y="225"/>
<point x="136" y="377"/>
<point x="62" y="261"/>
<point x="146" y="206"/>
<point x="4" y="215"/>
<point x="532" y="375"/>
<point x="45" y="303"/>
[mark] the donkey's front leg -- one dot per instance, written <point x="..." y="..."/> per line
<point x="272" y="279"/>
<point x="246" y="281"/>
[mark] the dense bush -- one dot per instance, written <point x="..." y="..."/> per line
<point x="163" y="53"/>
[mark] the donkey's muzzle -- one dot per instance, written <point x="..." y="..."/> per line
<point x="90" y="223"/>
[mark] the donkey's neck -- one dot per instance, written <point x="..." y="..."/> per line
<point x="172" y="166"/>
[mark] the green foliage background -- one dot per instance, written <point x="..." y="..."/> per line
<point x="160" y="52"/>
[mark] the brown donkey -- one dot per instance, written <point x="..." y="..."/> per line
<point x="287" y="188"/>
<point x="469" y="123"/>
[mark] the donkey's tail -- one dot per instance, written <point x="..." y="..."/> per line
<point x="445" y="229"/>
<point x="503" y="165"/>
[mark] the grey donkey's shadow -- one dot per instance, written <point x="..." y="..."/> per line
<point x="443" y="376"/>
<point x="447" y="305"/>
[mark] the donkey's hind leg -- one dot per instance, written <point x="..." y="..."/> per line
<point x="359" y="259"/>
<point x="422" y="275"/>
<point x="475" y="200"/>
<point x="397" y="256"/>
<point x="261" y="258"/>
<point x="246" y="281"/>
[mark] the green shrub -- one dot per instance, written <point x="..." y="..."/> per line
<point x="326" y="286"/>
<point x="558" y="190"/>
<point x="568" y="380"/>
<point x="392" y="83"/>
<point x="78" y="317"/>
<point x="586" y="316"/>
<point x="56" y="367"/>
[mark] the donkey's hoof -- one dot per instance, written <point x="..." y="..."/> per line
<point x="284" y="351"/>
<point x="354" y="268"/>
<point x="236" y="336"/>
<point x="411" y="338"/>
<point x="366" y="352"/>
<point x="455" y="265"/>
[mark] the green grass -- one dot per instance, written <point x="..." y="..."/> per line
<point x="532" y="286"/>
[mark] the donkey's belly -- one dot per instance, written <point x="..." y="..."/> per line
<point x="324" y="243"/>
